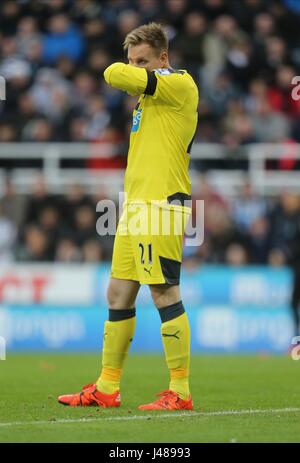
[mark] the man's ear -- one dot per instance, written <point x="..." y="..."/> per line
<point x="164" y="57"/>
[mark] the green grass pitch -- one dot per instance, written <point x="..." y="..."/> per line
<point x="236" y="399"/>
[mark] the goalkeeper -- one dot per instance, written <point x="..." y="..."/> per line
<point x="164" y="124"/>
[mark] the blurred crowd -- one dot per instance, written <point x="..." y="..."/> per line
<point x="43" y="227"/>
<point x="247" y="228"/>
<point x="240" y="230"/>
<point x="242" y="54"/>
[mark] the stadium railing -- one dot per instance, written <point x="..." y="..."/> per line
<point x="268" y="167"/>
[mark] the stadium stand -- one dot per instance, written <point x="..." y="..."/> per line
<point x="52" y="55"/>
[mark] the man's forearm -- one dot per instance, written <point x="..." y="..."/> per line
<point x="130" y="79"/>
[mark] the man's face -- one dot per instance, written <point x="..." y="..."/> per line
<point x="144" y="56"/>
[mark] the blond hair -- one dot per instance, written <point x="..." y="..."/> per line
<point x="152" y="34"/>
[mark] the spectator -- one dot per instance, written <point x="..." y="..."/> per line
<point x="67" y="251"/>
<point x="284" y="223"/>
<point x="264" y="27"/>
<point x="236" y="255"/>
<point x="276" y="55"/>
<point x="37" y="201"/>
<point x="10" y="14"/>
<point x="279" y="95"/>
<point x="75" y="198"/>
<point x="8" y="234"/>
<point x="85" y="10"/>
<point x="85" y="224"/>
<point x="63" y="38"/>
<point x="126" y="21"/>
<point x="92" y="251"/>
<point x="257" y="92"/>
<point x="98" y="61"/>
<point x="285" y="242"/>
<point x="8" y="132"/>
<point x="175" y="11"/>
<point x="39" y="130"/>
<point x="96" y="33"/>
<point x="12" y="204"/>
<point x="190" y="42"/>
<point x="240" y="63"/>
<point x="149" y="10"/>
<point x="97" y="116"/>
<point x="35" y="247"/>
<point x="259" y="244"/>
<point x="49" y="221"/>
<point x="26" y="112"/>
<point x="216" y="46"/>
<point x="51" y="94"/>
<point x="248" y="208"/>
<point x="269" y="126"/>
<point x="28" y="35"/>
<point x="219" y="95"/>
<point x="214" y="8"/>
<point x="293" y="5"/>
<point x="84" y="88"/>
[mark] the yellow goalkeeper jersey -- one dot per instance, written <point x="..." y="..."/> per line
<point x="163" y="128"/>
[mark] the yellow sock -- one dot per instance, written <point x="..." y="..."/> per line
<point x="109" y="380"/>
<point x="117" y="338"/>
<point x="176" y="341"/>
<point x="180" y="382"/>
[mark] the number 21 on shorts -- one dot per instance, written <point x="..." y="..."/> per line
<point x="149" y="251"/>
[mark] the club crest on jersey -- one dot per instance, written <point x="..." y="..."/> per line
<point x="136" y="120"/>
<point x="163" y="71"/>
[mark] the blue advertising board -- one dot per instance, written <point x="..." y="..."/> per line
<point x="209" y="284"/>
<point x="230" y="310"/>
<point x="213" y="329"/>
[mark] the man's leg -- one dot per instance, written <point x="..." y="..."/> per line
<point x="118" y="332"/>
<point x="175" y="331"/>
<point x="295" y="300"/>
<point x="158" y="262"/>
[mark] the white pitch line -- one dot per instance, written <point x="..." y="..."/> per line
<point x="153" y="417"/>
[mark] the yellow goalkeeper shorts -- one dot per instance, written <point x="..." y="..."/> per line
<point x="148" y="243"/>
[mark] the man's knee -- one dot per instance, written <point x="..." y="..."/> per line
<point x="164" y="295"/>
<point x="122" y="294"/>
<point x="114" y="294"/>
